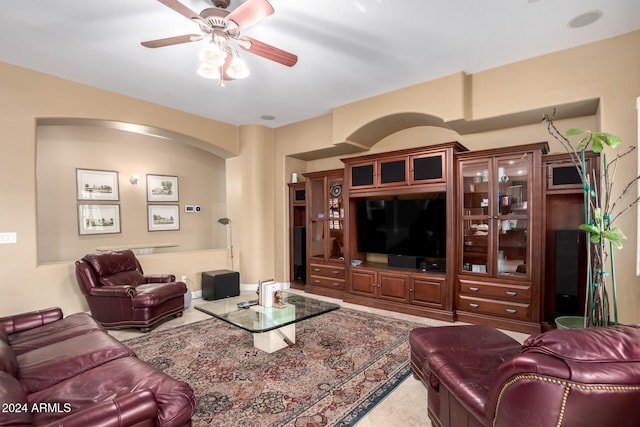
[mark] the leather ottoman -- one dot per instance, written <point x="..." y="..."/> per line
<point x="465" y="338"/>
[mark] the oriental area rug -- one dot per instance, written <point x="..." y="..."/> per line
<point x="342" y="364"/>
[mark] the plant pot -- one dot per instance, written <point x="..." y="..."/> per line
<point x="570" y="322"/>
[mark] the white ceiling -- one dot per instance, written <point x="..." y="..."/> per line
<point x="348" y="49"/>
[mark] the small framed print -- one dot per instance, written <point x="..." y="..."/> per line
<point x="162" y="188"/>
<point x="95" y="184"/>
<point x="163" y="217"/>
<point x="98" y="219"/>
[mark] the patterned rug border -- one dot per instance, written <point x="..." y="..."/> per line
<point x="360" y="409"/>
<point x="375" y="398"/>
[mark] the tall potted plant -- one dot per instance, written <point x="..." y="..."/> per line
<point x="601" y="210"/>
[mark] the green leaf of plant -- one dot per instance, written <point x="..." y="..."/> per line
<point x="575" y="131"/>
<point x="597" y="214"/>
<point x="611" y="140"/>
<point x="595" y="238"/>
<point x="615" y="236"/>
<point x="584" y="143"/>
<point x="589" y="228"/>
<point x="596" y="146"/>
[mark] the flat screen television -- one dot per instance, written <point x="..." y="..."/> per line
<point x="414" y="226"/>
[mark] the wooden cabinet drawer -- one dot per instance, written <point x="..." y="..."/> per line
<point x="327" y="271"/>
<point x="328" y="282"/>
<point x="507" y="292"/>
<point x="505" y="309"/>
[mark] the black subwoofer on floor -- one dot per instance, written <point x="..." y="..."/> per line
<point x="218" y="284"/>
<point x="567" y="267"/>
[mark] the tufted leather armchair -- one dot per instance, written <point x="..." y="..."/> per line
<point x="564" y="377"/>
<point x="120" y="295"/>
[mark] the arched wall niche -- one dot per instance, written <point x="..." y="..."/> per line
<point x="371" y="133"/>
<point x="64" y="145"/>
<point x="138" y="129"/>
<point x="376" y="130"/>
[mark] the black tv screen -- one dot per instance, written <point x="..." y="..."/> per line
<point x="414" y="226"/>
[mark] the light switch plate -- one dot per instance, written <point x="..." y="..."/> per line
<point x="8" y="238"/>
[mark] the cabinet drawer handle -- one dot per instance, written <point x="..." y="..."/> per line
<point x="336" y="284"/>
<point x="316" y="269"/>
<point x="336" y="271"/>
<point x="511" y="310"/>
<point x="473" y="305"/>
<point x="474" y="289"/>
<point x="511" y="293"/>
<point x="316" y="281"/>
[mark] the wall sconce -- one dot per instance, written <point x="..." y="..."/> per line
<point x="133" y="179"/>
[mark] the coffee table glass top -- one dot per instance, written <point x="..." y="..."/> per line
<point x="263" y="319"/>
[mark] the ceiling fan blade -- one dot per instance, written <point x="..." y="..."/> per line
<point x="267" y="51"/>
<point x="250" y="12"/>
<point x="169" y="41"/>
<point x="184" y="11"/>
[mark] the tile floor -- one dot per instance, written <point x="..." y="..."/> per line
<point x="405" y="406"/>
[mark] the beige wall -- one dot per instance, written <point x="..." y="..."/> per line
<point x="258" y="166"/>
<point x="62" y="149"/>
<point x="28" y="96"/>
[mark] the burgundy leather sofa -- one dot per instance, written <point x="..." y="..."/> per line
<point x="120" y="295"/>
<point x="68" y="371"/>
<point x="478" y="376"/>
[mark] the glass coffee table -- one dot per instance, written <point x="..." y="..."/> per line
<point x="272" y="328"/>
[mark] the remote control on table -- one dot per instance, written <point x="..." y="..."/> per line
<point x="247" y="304"/>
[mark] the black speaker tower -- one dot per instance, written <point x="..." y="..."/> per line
<point x="567" y="277"/>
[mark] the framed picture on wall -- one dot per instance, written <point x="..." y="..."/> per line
<point x="162" y="188"/>
<point x="98" y="219"/>
<point x="163" y="217"/>
<point x="93" y="184"/>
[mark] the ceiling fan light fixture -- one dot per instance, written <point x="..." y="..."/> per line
<point x="212" y="54"/>
<point x="208" y="71"/>
<point x="237" y="68"/>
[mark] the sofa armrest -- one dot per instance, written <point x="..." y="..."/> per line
<point x="449" y="368"/>
<point x="160" y="278"/>
<point x="122" y="291"/>
<point x="126" y="410"/>
<point x="29" y="320"/>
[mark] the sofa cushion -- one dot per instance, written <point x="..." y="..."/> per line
<point x="425" y="340"/>
<point x="70" y="326"/>
<point x="108" y="263"/>
<point x="133" y="278"/>
<point x="601" y="344"/>
<point x="48" y="365"/>
<point x="3" y="335"/>
<point x="8" y="360"/>
<point x="12" y="393"/>
<point x="153" y="294"/>
<point x="175" y="399"/>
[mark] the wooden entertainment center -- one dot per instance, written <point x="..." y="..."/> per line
<point x="490" y="264"/>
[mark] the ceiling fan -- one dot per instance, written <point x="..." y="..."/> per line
<point x="220" y="29"/>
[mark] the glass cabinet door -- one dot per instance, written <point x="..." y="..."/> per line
<point x="317" y="216"/>
<point x="512" y="225"/>
<point x="318" y="196"/>
<point x="326" y="218"/>
<point x="495" y="216"/>
<point x="335" y="220"/>
<point x="476" y="216"/>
